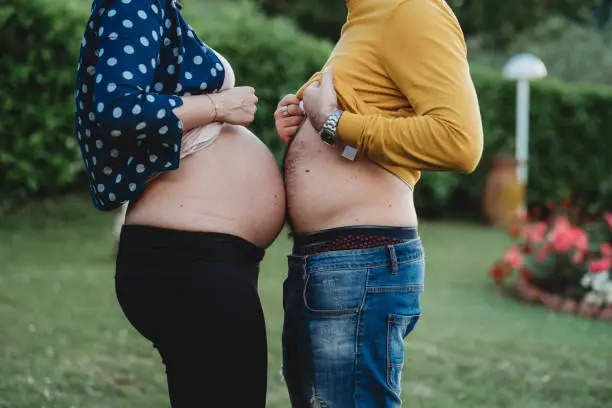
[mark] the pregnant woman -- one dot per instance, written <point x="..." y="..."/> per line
<point x="152" y="96"/>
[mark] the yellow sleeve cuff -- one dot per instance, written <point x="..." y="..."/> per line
<point x="350" y="129"/>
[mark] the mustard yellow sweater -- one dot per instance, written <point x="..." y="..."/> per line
<point x="402" y="77"/>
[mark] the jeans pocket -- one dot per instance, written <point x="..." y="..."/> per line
<point x="398" y="328"/>
<point x="335" y="292"/>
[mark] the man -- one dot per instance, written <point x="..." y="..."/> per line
<point x="400" y="100"/>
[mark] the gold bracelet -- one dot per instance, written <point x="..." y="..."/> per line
<point x="214" y="106"/>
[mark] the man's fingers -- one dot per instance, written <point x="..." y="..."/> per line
<point x="289" y="121"/>
<point x="288" y="111"/>
<point x="328" y="78"/>
<point x="291" y="130"/>
<point x="290" y="99"/>
<point x="281" y="112"/>
<point x="294" y="110"/>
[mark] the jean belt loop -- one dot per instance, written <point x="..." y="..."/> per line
<point x="393" y="259"/>
<point x="304" y="266"/>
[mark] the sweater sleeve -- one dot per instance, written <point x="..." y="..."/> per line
<point x="424" y="53"/>
<point x="127" y="102"/>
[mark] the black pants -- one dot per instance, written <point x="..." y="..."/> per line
<point x="194" y="296"/>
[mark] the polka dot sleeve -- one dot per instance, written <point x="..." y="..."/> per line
<point x="137" y="57"/>
<point x="126" y="104"/>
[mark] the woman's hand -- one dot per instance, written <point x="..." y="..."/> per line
<point x="288" y="117"/>
<point x="236" y="106"/>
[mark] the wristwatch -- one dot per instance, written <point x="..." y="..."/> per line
<point x="329" y="131"/>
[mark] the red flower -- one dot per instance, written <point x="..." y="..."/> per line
<point x="526" y="273"/>
<point x="514" y="231"/>
<point x="499" y="272"/>
<point x="608" y="218"/>
<point x="526" y="249"/>
<point x="606" y="250"/>
<point x="513" y="257"/>
<point x="600" y="265"/>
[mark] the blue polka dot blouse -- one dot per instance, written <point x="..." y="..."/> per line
<point x="137" y="57"/>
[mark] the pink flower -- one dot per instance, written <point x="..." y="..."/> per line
<point x="562" y="239"/>
<point x="564" y="236"/>
<point x="600" y="265"/>
<point x="513" y="257"/>
<point x="534" y="233"/>
<point x="581" y="238"/>
<point x="608" y="218"/>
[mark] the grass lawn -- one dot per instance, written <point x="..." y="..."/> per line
<point x="64" y="342"/>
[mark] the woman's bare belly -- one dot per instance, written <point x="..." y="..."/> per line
<point x="233" y="186"/>
<point x="325" y="190"/>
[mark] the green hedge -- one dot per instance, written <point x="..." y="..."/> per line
<point x="39" y="40"/>
<point x="570" y="127"/>
<point x="323" y="18"/>
<point x="570" y="136"/>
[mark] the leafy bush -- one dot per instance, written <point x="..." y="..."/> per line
<point x="498" y="22"/>
<point x="572" y="52"/>
<point x="39" y="42"/>
<point x="323" y="18"/>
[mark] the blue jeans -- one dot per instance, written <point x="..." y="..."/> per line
<point x="347" y="314"/>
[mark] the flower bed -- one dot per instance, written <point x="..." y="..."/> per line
<point x="562" y="262"/>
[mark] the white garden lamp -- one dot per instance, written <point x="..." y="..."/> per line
<point x="523" y="68"/>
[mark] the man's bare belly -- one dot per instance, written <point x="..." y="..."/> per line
<point x="233" y="186"/>
<point x="325" y="190"/>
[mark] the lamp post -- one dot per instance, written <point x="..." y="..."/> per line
<point x="523" y="68"/>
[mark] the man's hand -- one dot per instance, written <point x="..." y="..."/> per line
<point x="288" y="117"/>
<point x="320" y="100"/>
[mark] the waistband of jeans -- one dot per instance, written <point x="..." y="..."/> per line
<point x="214" y="246"/>
<point x="323" y="236"/>
<point x="410" y="251"/>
